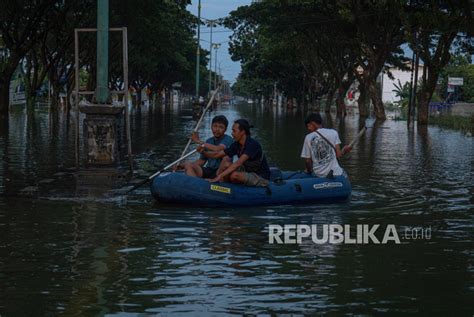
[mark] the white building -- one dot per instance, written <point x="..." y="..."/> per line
<point x="388" y="85"/>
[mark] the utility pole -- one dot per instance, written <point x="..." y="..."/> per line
<point x="275" y="101"/>
<point x="216" y="47"/>
<point x="210" y="57"/>
<point x="102" y="90"/>
<point x="198" y="52"/>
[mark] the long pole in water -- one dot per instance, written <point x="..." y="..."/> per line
<point x="161" y="171"/>
<point x="183" y="156"/>
<point x="200" y="119"/>
<point x="356" y="139"/>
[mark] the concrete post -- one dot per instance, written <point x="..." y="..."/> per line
<point x="102" y="90"/>
<point x="103" y="123"/>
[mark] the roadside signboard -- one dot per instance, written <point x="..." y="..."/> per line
<point x="455" y="81"/>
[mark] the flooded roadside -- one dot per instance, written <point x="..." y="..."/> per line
<point x="86" y="257"/>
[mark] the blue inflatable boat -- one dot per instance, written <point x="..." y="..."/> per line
<point x="285" y="188"/>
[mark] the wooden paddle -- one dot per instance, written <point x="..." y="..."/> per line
<point x="200" y="119"/>
<point x="183" y="156"/>
<point x="356" y="139"/>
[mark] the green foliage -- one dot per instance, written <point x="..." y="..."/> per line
<point x="435" y="29"/>
<point x="161" y="43"/>
<point x="262" y="51"/>
<point x="464" y="124"/>
<point x="312" y="48"/>
<point x="436" y="97"/>
<point x="162" y="49"/>
<point x="403" y="93"/>
<point x="318" y="47"/>
<point x="459" y="66"/>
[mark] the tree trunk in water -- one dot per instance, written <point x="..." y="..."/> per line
<point x="139" y="97"/>
<point x="340" y="103"/>
<point x="5" y="78"/>
<point x="329" y="99"/>
<point x="363" y="102"/>
<point x="55" y="99"/>
<point x="377" y="101"/>
<point x="339" y="106"/>
<point x="423" y="106"/>
<point x="437" y="61"/>
<point x="424" y="97"/>
<point x="30" y="104"/>
<point x="4" y="97"/>
<point x="168" y="97"/>
<point x="30" y="92"/>
<point x="67" y="105"/>
<point x="304" y="103"/>
<point x="4" y="125"/>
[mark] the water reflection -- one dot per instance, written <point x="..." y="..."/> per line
<point x="86" y="258"/>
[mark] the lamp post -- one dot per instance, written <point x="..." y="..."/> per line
<point x="216" y="47"/>
<point x="220" y="73"/>
<point x="198" y="52"/>
<point x="211" y="24"/>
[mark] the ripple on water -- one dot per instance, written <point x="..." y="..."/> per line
<point x="85" y="258"/>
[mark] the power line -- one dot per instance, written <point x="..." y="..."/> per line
<point x="229" y="31"/>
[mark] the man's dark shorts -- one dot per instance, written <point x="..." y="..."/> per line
<point x="209" y="172"/>
<point x="253" y="179"/>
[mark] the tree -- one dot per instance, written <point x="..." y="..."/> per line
<point x="271" y="49"/>
<point x="325" y="42"/>
<point x="22" y="24"/>
<point x="459" y="66"/>
<point x="40" y="34"/>
<point x="161" y="44"/>
<point x="378" y="35"/>
<point x="432" y="28"/>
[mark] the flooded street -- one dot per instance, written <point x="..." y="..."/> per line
<point x="86" y="258"/>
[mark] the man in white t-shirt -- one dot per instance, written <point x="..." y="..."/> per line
<point x="321" y="148"/>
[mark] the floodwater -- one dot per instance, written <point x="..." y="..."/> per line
<point x="93" y="257"/>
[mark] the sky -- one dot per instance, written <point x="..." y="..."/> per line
<point x="214" y="9"/>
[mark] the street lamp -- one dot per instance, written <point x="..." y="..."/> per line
<point x="211" y="24"/>
<point x="198" y="53"/>
<point x="216" y="46"/>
